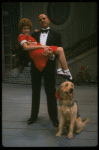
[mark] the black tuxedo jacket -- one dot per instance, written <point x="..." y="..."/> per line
<point x="49" y="79"/>
<point x="54" y="39"/>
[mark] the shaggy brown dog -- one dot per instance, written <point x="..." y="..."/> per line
<point x="68" y="110"/>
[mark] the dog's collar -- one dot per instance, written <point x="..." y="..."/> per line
<point x="57" y="95"/>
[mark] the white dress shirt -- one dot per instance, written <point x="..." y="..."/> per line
<point x="43" y="39"/>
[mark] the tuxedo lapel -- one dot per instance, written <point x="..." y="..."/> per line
<point x="38" y="37"/>
<point x="49" y="38"/>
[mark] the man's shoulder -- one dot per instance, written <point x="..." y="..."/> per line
<point x="35" y="33"/>
<point x="51" y="31"/>
<point x="57" y="38"/>
<point x="54" y="32"/>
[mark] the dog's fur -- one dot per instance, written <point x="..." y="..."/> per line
<point x="68" y="111"/>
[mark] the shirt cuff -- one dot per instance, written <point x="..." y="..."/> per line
<point x="22" y="42"/>
<point x="53" y="57"/>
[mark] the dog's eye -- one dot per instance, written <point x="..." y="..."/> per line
<point x="72" y="85"/>
<point x="66" y="85"/>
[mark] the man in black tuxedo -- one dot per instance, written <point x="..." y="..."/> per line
<point x="49" y="38"/>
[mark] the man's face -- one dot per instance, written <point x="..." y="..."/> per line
<point x="43" y="21"/>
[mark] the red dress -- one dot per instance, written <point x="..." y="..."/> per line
<point x="36" y="54"/>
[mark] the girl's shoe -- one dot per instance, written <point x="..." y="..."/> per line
<point x="68" y="74"/>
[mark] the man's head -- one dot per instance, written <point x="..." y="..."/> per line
<point x="43" y="21"/>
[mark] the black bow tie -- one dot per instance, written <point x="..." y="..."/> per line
<point x="44" y="30"/>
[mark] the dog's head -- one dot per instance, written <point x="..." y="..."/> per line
<point x="66" y="90"/>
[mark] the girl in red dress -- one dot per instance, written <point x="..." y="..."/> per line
<point x="36" y="50"/>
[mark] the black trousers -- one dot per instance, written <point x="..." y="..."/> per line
<point x="49" y="85"/>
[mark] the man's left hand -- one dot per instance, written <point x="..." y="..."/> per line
<point x="48" y="52"/>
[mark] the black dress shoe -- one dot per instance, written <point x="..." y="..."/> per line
<point x="31" y="121"/>
<point x="56" y="123"/>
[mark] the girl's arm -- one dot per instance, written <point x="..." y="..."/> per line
<point x="32" y="47"/>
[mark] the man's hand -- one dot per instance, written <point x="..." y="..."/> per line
<point x="48" y="52"/>
<point x="36" y="30"/>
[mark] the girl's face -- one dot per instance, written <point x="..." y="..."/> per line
<point x="26" y="30"/>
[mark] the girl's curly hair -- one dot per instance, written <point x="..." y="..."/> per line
<point x="24" y="22"/>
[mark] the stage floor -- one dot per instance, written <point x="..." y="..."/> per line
<point x="16" y="109"/>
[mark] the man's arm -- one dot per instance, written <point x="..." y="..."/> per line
<point x="48" y="52"/>
<point x="58" y="41"/>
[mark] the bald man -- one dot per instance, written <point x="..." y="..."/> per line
<point x="48" y="37"/>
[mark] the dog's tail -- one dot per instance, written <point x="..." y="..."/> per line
<point x="86" y="120"/>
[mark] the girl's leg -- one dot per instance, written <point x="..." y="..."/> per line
<point x="61" y="57"/>
<point x="59" y="68"/>
<point x="58" y="64"/>
<point x="62" y="62"/>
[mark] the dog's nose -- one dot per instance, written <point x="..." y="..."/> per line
<point x="71" y="90"/>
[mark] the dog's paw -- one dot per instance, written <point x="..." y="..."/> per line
<point x="78" y="130"/>
<point x="70" y="135"/>
<point x="58" y="134"/>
